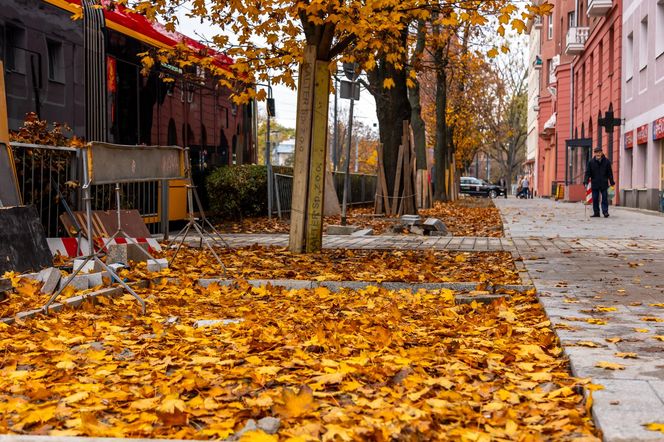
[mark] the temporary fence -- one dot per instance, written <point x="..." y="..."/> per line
<point x="362" y="190"/>
<point x="50" y="178"/>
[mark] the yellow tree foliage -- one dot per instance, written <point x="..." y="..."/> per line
<point x="266" y="39"/>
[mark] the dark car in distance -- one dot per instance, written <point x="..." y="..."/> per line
<point x="478" y="187"/>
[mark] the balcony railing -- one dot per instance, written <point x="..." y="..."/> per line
<point x="598" y="8"/>
<point x="555" y="61"/>
<point x="576" y="40"/>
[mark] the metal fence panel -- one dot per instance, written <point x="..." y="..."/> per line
<point x="49" y="177"/>
<point x="362" y="190"/>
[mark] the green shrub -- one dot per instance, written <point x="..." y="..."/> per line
<point x="239" y="191"/>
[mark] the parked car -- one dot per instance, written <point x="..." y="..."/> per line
<point x="478" y="187"/>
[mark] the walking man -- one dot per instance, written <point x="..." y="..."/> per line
<point x="600" y="174"/>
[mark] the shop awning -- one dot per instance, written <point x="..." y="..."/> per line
<point x="139" y="27"/>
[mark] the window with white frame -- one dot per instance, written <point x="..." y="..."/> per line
<point x="643" y="44"/>
<point x="659" y="29"/>
<point x="549" y="32"/>
<point x="629" y="59"/>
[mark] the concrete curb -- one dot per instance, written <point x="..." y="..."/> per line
<point x="357" y="285"/>
<point x="74" y="301"/>
<point x="27" y="438"/>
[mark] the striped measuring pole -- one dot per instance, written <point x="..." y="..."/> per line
<point x="589" y="194"/>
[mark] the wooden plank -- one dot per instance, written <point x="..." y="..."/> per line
<point x="315" y="197"/>
<point x="397" y="182"/>
<point x="303" y="125"/>
<point x="403" y="202"/>
<point x="383" y="181"/>
<point x="418" y="186"/>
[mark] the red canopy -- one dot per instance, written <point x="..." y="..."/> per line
<point x="138" y="26"/>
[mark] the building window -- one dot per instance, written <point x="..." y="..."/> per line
<point x="660" y="29"/>
<point x="15" y="49"/>
<point x="56" y="61"/>
<point x="643" y="44"/>
<point x="571" y="22"/>
<point x="591" y="72"/>
<point x="600" y="62"/>
<point x="629" y="59"/>
<point x="549" y="65"/>
<point x="549" y="34"/>
<point x="611" y="45"/>
<point x="583" y="82"/>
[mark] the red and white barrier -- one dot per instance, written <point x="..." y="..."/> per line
<point x="589" y="194"/>
<point x="68" y="246"/>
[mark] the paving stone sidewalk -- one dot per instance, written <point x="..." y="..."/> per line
<point x="603" y="280"/>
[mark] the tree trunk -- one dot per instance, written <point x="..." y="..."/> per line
<point x="417" y="123"/>
<point x="392" y="109"/>
<point x="441" y="149"/>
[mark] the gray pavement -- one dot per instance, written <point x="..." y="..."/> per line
<point x="601" y="282"/>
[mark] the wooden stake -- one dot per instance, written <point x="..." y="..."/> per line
<point x="383" y="181"/>
<point x="315" y="203"/>
<point x="303" y="129"/>
<point x="397" y="182"/>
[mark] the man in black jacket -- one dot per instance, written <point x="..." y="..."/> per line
<point x="600" y="174"/>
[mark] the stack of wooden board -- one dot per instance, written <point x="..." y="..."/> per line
<point x="403" y="199"/>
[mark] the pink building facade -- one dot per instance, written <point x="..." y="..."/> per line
<point x="580" y="93"/>
<point x="642" y="143"/>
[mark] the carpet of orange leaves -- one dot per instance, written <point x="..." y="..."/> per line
<point x="466" y="217"/>
<point x="371" y="365"/>
<point x="329" y="265"/>
<point x="351" y="265"/>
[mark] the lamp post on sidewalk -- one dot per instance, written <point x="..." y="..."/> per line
<point x="349" y="89"/>
<point x="271" y="112"/>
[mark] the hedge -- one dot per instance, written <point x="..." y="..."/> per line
<point x="239" y="191"/>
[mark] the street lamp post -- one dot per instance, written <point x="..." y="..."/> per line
<point x="268" y="163"/>
<point x="350" y="70"/>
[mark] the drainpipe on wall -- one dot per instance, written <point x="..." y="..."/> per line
<point x="571" y="119"/>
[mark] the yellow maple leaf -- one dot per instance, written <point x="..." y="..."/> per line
<point x="171" y="403"/>
<point x="655" y="426"/>
<point x="144" y="404"/>
<point x="642" y="330"/>
<point x="295" y="404"/>
<point x="258" y="436"/>
<point x="593" y="387"/>
<point x="388" y="83"/>
<point x="609" y="365"/>
<point x="626" y="355"/>
<point x="329" y="378"/>
<point x="76" y="397"/>
<point x="337" y="432"/>
<point x="587" y="344"/>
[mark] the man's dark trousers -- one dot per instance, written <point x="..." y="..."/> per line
<point x="605" y="201"/>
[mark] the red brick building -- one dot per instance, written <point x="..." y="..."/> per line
<point x="580" y="83"/>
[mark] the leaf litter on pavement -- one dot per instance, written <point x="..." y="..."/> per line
<point x="352" y="265"/>
<point x="278" y="263"/>
<point x="371" y="364"/>
<point x="466" y="217"/>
